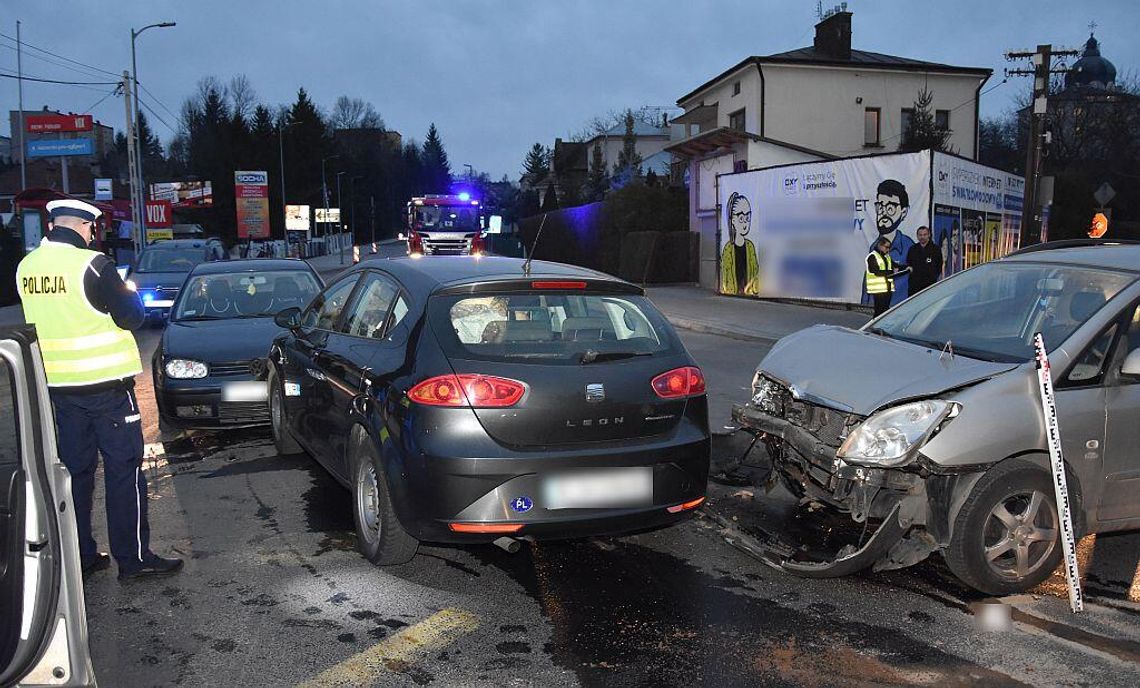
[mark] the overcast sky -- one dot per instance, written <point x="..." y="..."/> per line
<point x="497" y="75"/>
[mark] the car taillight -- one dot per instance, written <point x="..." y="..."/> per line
<point x="415" y="244"/>
<point x="476" y="391"/>
<point x="477" y="245"/>
<point x="679" y="382"/>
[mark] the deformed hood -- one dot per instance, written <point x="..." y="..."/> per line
<point x="861" y="372"/>
<point x="219" y="341"/>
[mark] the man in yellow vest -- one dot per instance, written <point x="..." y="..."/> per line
<point x="881" y="274"/>
<point x="83" y="313"/>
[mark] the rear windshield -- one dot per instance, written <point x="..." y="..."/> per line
<point x="548" y="328"/>
<point x="170" y="259"/>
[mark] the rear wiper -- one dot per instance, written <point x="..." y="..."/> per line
<point x="592" y="356"/>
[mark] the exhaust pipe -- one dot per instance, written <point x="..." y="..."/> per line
<point x="508" y="544"/>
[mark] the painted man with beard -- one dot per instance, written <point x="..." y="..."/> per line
<point x="891" y="206"/>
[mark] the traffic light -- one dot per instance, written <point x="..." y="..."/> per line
<point x="1099" y="225"/>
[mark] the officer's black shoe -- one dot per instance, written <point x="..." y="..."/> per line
<point x="152" y="566"/>
<point x="99" y="562"/>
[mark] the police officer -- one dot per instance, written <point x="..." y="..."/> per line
<point x="881" y="274"/>
<point x="83" y="313"/>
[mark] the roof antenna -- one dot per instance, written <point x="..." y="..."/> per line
<point x="530" y="257"/>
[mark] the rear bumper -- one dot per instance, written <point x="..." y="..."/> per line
<point x="430" y="491"/>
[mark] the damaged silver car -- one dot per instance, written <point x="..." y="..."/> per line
<point x="925" y="426"/>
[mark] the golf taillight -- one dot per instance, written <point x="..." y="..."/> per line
<point x="477" y="391"/>
<point x="680" y="382"/>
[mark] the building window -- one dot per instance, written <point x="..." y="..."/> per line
<point x="905" y="121"/>
<point x="736" y="88"/>
<point x="942" y="119"/>
<point x="736" y="120"/>
<point x="871" y="127"/>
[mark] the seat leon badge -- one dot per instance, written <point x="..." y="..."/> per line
<point x="595" y="393"/>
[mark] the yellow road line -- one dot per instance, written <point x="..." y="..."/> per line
<point x="399" y="651"/>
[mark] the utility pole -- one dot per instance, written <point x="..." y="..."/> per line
<point x="20" y="118"/>
<point x="340" y="217"/>
<point x="132" y="168"/>
<point x="1042" y="70"/>
<point x="372" y="217"/>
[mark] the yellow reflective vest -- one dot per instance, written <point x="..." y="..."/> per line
<point x="879" y="284"/>
<point x="80" y="345"/>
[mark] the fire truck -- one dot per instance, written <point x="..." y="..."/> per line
<point x="445" y="224"/>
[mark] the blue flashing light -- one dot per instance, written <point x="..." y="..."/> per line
<point x="474" y="202"/>
<point x="147" y="297"/>
<point x="464" y="196"/>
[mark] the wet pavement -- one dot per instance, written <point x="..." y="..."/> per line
<point x="274" y="594"/>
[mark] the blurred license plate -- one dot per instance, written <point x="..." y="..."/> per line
<point x="605" y="488"/>
<point x="245" y="391"/>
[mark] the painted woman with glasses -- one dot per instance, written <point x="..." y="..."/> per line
<point x="739" y="267"/>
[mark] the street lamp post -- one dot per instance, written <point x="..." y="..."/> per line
<point x="281" y="151"/>
<point x="340" y="217"/>
<point x="325" y="187"/>
<point x="352" y="203"/>
<point x="138" y="142"/>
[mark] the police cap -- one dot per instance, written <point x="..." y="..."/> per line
<point x="73" y="208"/>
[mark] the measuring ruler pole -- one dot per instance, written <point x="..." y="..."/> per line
<point x="1060" y="484"/>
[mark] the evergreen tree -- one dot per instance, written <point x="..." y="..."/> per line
<point x="549" y="198"/>
<point x="536" y="166"/>
<point x="628" y="165"/>
<point x="597" y="181"/>
<point x="437" y="170"/>
<point x="923" y="131"/>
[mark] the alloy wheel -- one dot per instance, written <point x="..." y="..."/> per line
<point x="1020" y="535"/>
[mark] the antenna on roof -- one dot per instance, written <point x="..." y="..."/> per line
<point x="530" y="257"/>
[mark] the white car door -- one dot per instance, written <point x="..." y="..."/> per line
<point x="43" y="625"/>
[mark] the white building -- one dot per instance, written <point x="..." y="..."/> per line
<point x="650" y="140"/>
<point x="812" y="103"/>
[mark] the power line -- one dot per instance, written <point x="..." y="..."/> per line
<point x="56" y="81"/>
<point x="160" y="103"/>
<point x="54" y="63"/>
<point x="68" y="59"/>
<point x="157" y="116"/>
<point x="114" y="92"/>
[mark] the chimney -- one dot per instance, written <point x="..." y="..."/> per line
<point x="833" y="34"/>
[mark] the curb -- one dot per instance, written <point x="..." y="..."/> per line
<point x="710" y="328"/>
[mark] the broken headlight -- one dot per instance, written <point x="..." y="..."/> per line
<point x="889" y="437"/>
<point x="767" y="396"/>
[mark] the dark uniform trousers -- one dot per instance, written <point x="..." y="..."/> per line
<point x="107" y="423"/>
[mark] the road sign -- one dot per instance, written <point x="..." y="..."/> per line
<point x="331" y="216"/>
<point x="1099" y="225"/>
<point x="42" y="124"/>
<point x="1104" y="194"/>
<point x="103" y="190"/>
<point x="56" y="148"/>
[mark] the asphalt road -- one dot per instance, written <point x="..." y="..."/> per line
<point x="274" y="594"/>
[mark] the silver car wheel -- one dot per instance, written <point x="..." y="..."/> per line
<point x="1020" y="535"/>
<point x="368" y="502"/>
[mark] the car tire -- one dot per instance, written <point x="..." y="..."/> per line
<point x="283" y="438"/>
<point x="1007" y="535"/>
<point x="379" y="535"/>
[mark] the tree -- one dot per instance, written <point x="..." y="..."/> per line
<point x="628" y="165"/>
<point x="1001" y="145"/>
<point x="242" y="96"/>
<point x="924" y="132"/>
<point x="354" y="113"/>
<point x="549" y="198"/>
<point x="597" y="181"/>
<point x="437" y="170"/>
<point x="536" y="166"/>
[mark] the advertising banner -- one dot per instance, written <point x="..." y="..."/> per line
<point x="805" y="230"/>
<point x="56" y="148"/>
<point x="297" y="218"/>
<point x="184" y="194"/>
<point x="159" y="219"/>
<point x="43" y="124"/>
<point x="977" y="215"/>
<point x="251" y="196"/>
<point x="103" y="190"/>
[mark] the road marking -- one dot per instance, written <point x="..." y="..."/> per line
<point x="399" y="651"/>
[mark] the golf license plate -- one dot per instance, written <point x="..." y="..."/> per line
<point x="245" y="391"/>
<point x="609" y="488"/>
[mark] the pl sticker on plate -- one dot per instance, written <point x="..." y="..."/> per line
<point x="522" y="504"/>
<point x="292" y="389"/>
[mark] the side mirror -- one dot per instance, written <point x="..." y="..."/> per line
<point x="289" y="319"/>
<point x="1131" y="365"/>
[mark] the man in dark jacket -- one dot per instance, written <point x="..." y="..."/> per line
<point x="925" y="261"/>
